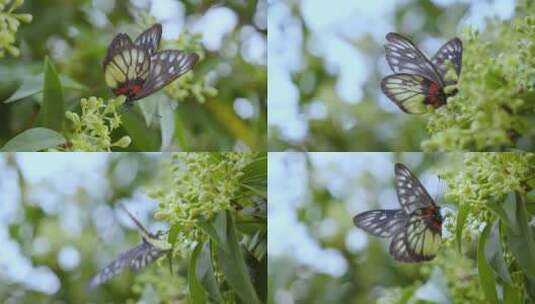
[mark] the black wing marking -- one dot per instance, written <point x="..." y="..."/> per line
<point x="451" y="51"/>
<point x="166" y="66"/>
<point x="381" y="223"/>
<point x="150" y="39"/>
<point x="409" y="92"/>
<point x="399" y="249"/>
<point x="404" y="57"/>
<point x="421" y="240"/>
<point x="119" y="264"/>
<point x="135" y="259"/>
<point x="411" y="193"/>
<point x="119" y="43"/>
<point x="130" y="64"/>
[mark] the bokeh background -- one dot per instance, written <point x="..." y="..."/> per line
<point x="317" y="255"/>
<point x="59" y="226"/>
<point x="326" y="61"/>
<point x="75" y="35"/>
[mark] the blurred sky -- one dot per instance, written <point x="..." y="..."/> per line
<point x="288" y="191"/>
<point x="333" y="27"/>
<point x="53" y="177"/>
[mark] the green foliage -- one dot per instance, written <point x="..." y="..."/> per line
<point x="192" y="113"/>
<point x="93" y="128"/>
<point x="490" y="191"/>
<point x="494" y="107"/>
<point x="9" y="25"/>
<point x="34" y="140"/>
<point x="203" y="197"/>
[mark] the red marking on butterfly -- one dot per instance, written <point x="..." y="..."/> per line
<point x="435" y="94"/>
<point x="433" y="217"/>
<point x="129" y="90"/>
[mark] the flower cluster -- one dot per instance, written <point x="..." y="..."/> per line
<point x="92" y="129"/>
<point x="495" y="100"/>
<point x="9" y="24"/>
<point x="198" y="185"/>
<point x="487" y="177"/>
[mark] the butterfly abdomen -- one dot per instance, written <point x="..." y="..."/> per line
<point x="435" y="95"/>
<point x="130" y="89"/>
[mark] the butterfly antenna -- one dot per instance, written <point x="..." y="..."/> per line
<point x="138" y="223"/>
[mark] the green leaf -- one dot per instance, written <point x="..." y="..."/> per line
<point x="254" y="176"/>
<point x="461" y="220"/>
<point x="494" y="254"/>
<point x="148" y="107"/>
<point x="216" y="229"/>
<point x="180" y="132"/>
<point x="205" y="273"/>
<point x="520" y="238"/>
<point x="173" y="232"/>
<point x="52" y="110"/>
<point x="143" y="139"/>
<point x="34" y="140"/>
<point x="486" y="275"/>
<point x="33" y="84"/>
<point x="167" y="124"/>
<point x="234" y="268"/>
<point x="505" y="210"/>
<point x="511" y="295"/>
<point x="196" y="291"/>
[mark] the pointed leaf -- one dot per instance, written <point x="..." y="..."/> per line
<point x="173" y="232"/>
<point x="494" y="254"/>
<point x="520" y="239"/>
<point x="196" y="291"/>
<point x="461" y="220"/>
<point x="217" y="230"/>
<point x="486" y="275"/>
<point x="34" y="140"/>
<point x="167" y="124"/>
<point x="52" y="111"/>
<point x="234" y="268"/>
<point x="205" y="273"/>
<point x="511" y="295"/>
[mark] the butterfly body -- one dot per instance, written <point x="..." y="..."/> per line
<point x="415" y="229"/>
<point x="137" y="69"/>
<point x="151" y="248"/>
<point x="418" y="81"/>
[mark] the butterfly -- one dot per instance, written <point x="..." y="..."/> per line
<point x="415" y="229"/>
<point x="137" y="69"/>
<point x="152" y="247"/>
<point x="418" y="81"/>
